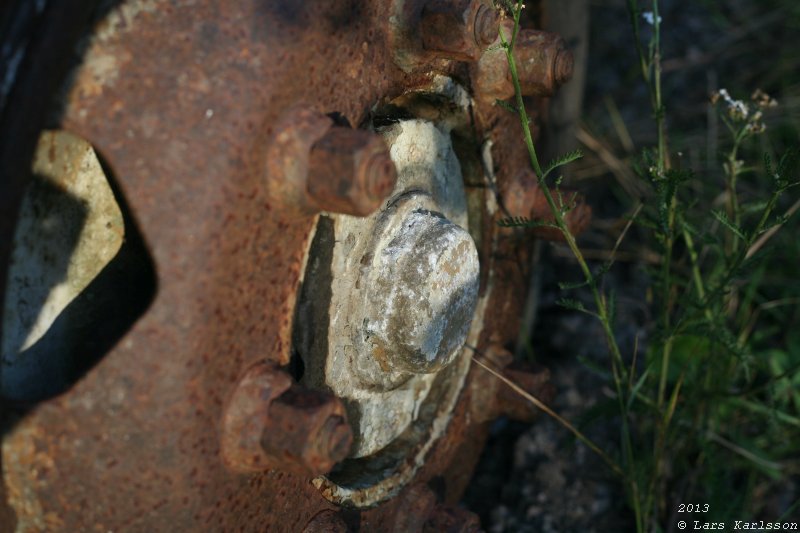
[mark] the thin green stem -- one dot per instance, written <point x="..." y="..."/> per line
<point x="618" y="368"/>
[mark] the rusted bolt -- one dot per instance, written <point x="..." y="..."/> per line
<point x="523" y="197"/>
<point x="458" y="29"/>
<point x="326" y="521"/>
<point x="315" y="166"/>
<point x="270" y="422"/>
<point x="543" y="64"/>
<point x="350" y="171"/>
<point x="423" y="294"/>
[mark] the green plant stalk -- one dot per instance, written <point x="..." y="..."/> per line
<point x="651" y="73"/>
<point x="697" y="277"/>
<point x="734" y="212"/>
<point x="602" y="308"/>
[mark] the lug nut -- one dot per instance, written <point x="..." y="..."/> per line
<point x="543" y="64"/>
<point x="350" y="171"/>
<point x="458" y="29"/>
<point x="315" y="166"/>
<point x="270" y="422"/>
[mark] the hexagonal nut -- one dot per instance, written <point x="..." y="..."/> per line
<point x="543" y="64"/>
<point x="269" y="422"/>
<point x="307" y="429"/>
<point x="350" y="171"/>
<point x="458" y="29"/>
<point x="247" y="414"/>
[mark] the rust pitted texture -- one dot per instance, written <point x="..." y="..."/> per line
<point x="543" y="64"/>
<point x="182" y="101"/>
<point x="270" y="423"/>
<point x="523" y="197"/>
<point x="349" y="171"/>
<point x="458" y="29"/>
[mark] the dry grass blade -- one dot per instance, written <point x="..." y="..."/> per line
<point x="540" y="405"/>
<point x="744" y="453"/>
<point x="625" y="231"/>
<point x="621" y="170"/>
<point x="772" y="231"/>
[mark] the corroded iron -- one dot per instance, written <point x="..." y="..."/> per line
<point x="271" y="423"/>
<point x="315" y="166"/>
<point x="186" y="106"/>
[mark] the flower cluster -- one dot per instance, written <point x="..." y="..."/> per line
<point x="749" y="114"/>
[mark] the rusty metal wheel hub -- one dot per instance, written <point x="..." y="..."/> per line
<point x="387" y="304"/>
<point x="305" y="243"/>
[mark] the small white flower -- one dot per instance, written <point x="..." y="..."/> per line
<point x="648" y="17"/>
<point x="737" y="109"/>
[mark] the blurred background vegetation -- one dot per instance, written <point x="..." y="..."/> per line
<point x="735" y="442"/>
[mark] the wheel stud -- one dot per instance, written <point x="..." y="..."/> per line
<point x="459" y="30"/>
<point x="315" y="166"/>
<point x="543" y="63"/>
<point x="270" y="422"/>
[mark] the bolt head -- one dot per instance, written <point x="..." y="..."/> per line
<point x="350" y="172"/>
<point x="421" y="304"/>
<point x="564" y="64"/>
<point x="458" y="29"/>
<point x="487" y="26"/>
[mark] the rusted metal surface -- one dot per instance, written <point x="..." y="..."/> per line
<point x="458" y="29"/>
<point x="271" y="423"/>
<point x="187" y="105"/>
